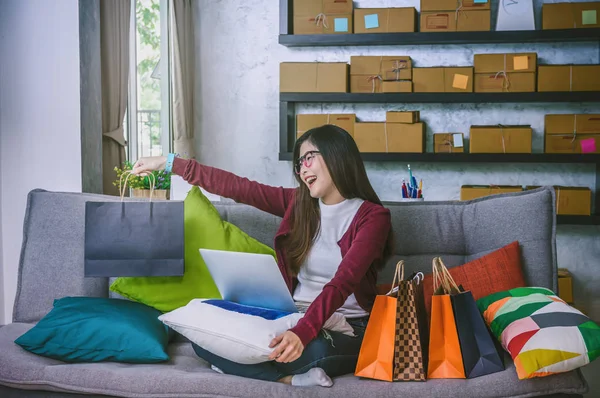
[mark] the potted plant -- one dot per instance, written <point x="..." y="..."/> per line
<point x="140" y="186"/>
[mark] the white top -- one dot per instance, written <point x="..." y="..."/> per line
<point x="325" y="257"/>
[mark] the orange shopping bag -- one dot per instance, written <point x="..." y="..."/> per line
<point x="445" y="357"/>
<point x="376" y="356"/>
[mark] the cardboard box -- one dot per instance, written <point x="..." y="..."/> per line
<point x="448" y="143"/>
<point x="305" y="122"/>
<point x="385" y="20"/>
<point x="447" y="21"/>
<point x="500" y="139"/>
<point x="439" y="80"/>
<point x="405" y="138"/>
<point x="397" y="87"/>
<point x="428" y="80"/>
<point x="313" y="77"/>
<point x="452" y="5"/>
<point x="565" y="285"/>
<point x="565" y="133"/>
<point x="569" y="78"/>
<point x="370" y="137"/>
<point x="568" y="15"/>
<point x="498" y="83"/>
<point x="573" y="201"/>
<point x="365" y="84"/>
<point x="323" y="24"/>
<point x="402" y="116"/>
<point x="315" y="7"/>
<point x="515" y="62"/>
<point x="470" y="192"/>
<point x="390" y="68"/>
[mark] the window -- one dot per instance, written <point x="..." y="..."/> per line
<point x="148" y="118"/>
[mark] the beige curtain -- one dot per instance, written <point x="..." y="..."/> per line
<point x="183" y="78"/>
<point x="114" y="50"/>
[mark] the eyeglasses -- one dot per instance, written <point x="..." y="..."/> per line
<point x="307" y="160"/>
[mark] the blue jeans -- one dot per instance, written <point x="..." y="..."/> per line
<point x="334" y="352"/>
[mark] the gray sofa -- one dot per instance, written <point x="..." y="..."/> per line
<point x="51" y="267"/>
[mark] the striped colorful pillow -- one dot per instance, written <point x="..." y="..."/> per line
<point x="542" y="333"/>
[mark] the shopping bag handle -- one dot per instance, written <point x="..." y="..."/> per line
<point x="398" y="276"/>
<point x="441" y="276"/>
<point x="123" y="187"/>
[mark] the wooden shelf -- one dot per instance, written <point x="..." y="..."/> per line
<point x="444" y="38"/>
<point x="445" y="98"/>
<point x="578" y="220"/>
<point x="473" y="157"/>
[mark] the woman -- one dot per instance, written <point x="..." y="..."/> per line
<point x="334" y="237"/>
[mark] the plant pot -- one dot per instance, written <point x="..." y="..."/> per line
<point x="162" y="194"/>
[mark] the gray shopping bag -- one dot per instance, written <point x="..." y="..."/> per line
<point x="134" y="239"/>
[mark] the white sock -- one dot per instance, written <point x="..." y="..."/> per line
<point x="314" y="377"/>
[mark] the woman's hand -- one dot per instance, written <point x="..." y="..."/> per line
<point x="289" y="347"/>
<point x="145" y="166"/>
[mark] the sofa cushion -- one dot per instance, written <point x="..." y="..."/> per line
<point x="185" y="375"/>
<point x="500" y="270"/>
<point x="94" y="329"/>
<point x="204" y="228"/>
<point x="543" y="334"/>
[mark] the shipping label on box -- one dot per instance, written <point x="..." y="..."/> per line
<point x="437" y="22"/>
<point x="448" y="143"/>
<point x="405" y="138"/>
<point x="453" y="5"/>
<point x="500" y="139"/>
<point x="305" y="122"/>
<point x="402" y="116"/>
<point x="313" y="77"/>
<point x="458" y="79"/>
<point x="470" y="192"/>
<point x="501" y="82"/>
<point x="385" y="20"/>
<point x="463" y="21"/>
<point x="370" y="137"/>
<point x="339" y="24"/>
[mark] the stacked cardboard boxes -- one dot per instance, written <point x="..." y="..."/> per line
<point x="448" y="143"/>
<point x="313" y="77"/>
<point x="571" y="201"/>
<point x="401" y="132"/>
<point x="385" y="20"/>
<point x="505" y="72"/>
<point x="323" y="17"/>
<point x="500" y="139"/>
<point x="565" y="285"/>
<point x="440" y="80"/>
<point x="567" y="15"/>
<point x="572" y="133"/>
<point x="305" y="122"/>
<point x="569" y="78"/>
<point x="469" y="192"/>
<point x="405" y="133"/>
<point x="372" y="74"/>
<point x="455" y="15"/>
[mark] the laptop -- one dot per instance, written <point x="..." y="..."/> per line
<point x="249" y="279"/>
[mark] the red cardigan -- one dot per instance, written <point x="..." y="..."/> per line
<point x="361" y="246"/>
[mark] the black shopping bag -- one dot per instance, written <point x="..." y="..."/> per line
<point x="134" y="238"/>
<point x="479" y="353"/>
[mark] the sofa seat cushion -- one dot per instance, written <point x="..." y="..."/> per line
<point x="184" y="375"/>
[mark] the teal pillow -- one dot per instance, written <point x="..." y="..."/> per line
<point x="90" y="329"/>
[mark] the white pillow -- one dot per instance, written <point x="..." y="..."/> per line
<point x="236" y="336"/>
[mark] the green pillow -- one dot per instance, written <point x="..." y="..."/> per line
<point x="204" y="228"/>
<point x="95" y="329"/>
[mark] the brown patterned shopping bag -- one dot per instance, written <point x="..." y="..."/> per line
<point x="409" y="348"/>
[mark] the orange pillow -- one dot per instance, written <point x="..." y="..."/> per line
<point x="495" y="272"/>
